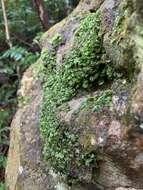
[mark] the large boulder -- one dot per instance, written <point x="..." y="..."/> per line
<point x="79" y="125"/>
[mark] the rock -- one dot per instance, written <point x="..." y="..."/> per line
<point x="99" y="132"/>
<point x="25" y="169"/>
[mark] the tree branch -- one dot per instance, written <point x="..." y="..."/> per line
<point x="43" y="16"/>
<point x="7" y="33"/>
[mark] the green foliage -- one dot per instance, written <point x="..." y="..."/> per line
<point x="84" y="66"/>
<point x="103" y="99"/>
<point x="56" y="40"/>
<point x="2" y="167"/>
<point x="21" y="55"/>
<point x="12" y="64"/>
<point x="10" y="61"/>
<point x="4" y="130"/>
<point x="15" y="53"/>
<point x="2" y="186"/>
<point x="37" y="38"/>
<point x="23" y="21"/>
<point x="2" y="161"/>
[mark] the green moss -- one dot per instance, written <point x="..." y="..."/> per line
<point x="23" y="100"/>
<point x="96" y="103"/>
<point x="85" y="140"/>
<point x="85" y="66"/>
<point x="56" y="40"/>
<point x="38" y="70"/>
<point x="121" y="39"/>
<point x="64" y="107"/>
<point x="121" y="23"/>
<point x="103" y="99"/>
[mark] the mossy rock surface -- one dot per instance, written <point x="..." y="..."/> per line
<point x="81" y="127"/>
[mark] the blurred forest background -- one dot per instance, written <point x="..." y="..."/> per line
<point x="21" y="26"/>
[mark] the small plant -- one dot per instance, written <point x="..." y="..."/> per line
<point x="103" y="99"/>
<point x="37" y="38"/>
<point x="15" y="53"/>
<point x="21" y="55"/>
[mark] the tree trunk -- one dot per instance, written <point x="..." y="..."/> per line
<point x="6" y="24"/>
<point x="39" y="5"/>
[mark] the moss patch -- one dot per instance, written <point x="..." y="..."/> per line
<point x="84" y="66"/>
<point x="96" y="103"/>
